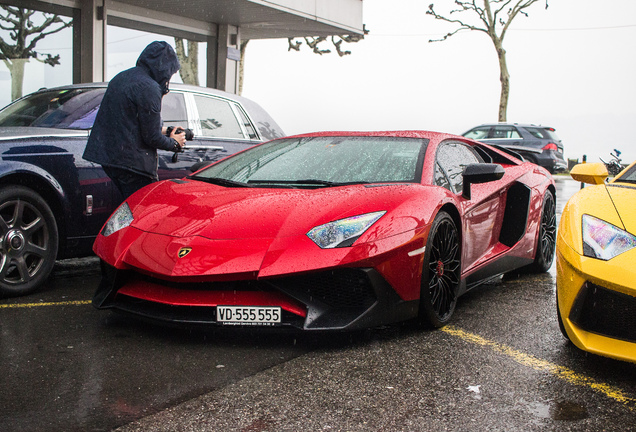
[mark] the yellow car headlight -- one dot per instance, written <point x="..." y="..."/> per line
<point x="604" y="241"/>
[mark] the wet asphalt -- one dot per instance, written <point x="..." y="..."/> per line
<point x="502" y="365"/>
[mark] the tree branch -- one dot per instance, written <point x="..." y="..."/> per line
<point x="494" y="14"/>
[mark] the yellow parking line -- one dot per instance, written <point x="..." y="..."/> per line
<point x="30" y="305"/>
<point x="541" y="365"/>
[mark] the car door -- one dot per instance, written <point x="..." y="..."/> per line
<point x="480" y="231"/>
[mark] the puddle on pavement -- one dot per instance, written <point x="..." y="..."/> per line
<point x="568" y="411"/>
<point x="559" y="410"/>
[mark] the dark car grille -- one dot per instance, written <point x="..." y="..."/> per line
<point x="605" y="312"/>
<point x="338" y="289"/>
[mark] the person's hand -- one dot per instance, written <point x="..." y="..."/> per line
<point x="178" y="134"/>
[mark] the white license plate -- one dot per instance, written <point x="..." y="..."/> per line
<point x="248" y="315"/>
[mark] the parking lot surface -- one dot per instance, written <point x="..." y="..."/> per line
<point x="502" y="365"/>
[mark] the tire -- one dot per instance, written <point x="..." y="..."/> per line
<point x="546" y="241"/>
<point x="441" y="273"/>
<point x="28" y="240"/>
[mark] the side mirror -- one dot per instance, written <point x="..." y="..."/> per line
<point x="590" y="173"/>
<point x="480" y="173"/>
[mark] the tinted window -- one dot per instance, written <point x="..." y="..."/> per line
<point x="330" y="159"/>
<point x="217" y="118"/>
<point x="247" y="124"/>
<point x="478" y="133"/>
<point x="505" y="132"/>
<point x="173" y="110"/>
<point x="62" y="109"/>
<point x="453" y="157"/>
<point x="543" y="133"/>
<point x="629" y="176"/>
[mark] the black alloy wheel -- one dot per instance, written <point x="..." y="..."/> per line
<point x="28" y="240"/>
<point x="546" y="243"/>
<point x="441" y="272"/>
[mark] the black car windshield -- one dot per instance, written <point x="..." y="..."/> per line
<point x="323" y="161"/>
<point x="628" y="177"/>
<point x="60" y="109"/>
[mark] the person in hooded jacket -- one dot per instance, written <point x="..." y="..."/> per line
<point x="128" y="128"/>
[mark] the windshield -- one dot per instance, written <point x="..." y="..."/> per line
<point x="61" y="109"/>
<point x="323" y="161"/>
<point x="628" y="176"/>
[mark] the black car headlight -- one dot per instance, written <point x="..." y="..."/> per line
<point x="604" y="241"/>
<point x="121" y="218"/>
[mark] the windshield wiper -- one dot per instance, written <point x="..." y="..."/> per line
<point x="312" y="182"/>
<point x="220" y="181"/>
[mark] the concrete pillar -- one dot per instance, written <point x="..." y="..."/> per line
<point x="228" y="56"/>
<point x="212" y="61"/>
<point x="89" y="42"/>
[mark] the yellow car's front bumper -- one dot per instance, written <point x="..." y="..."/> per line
<point x="596" y="301"/>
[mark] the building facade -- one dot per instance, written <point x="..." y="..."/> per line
<point x="219" y="25"/>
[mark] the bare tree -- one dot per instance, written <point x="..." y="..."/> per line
<point x="312" y="42"/>
<point x="493" y="17"/>
<point x="189" y="61"/>
<point x="315" y="43"/>
<point x="243" y="48"/>
<point x="25" y="33"/>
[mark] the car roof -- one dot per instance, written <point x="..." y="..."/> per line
<point x="173" y="86"/>
<point x="400" y="133"/>
<point x="513" y="124"/>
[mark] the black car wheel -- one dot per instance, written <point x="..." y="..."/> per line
<point x="546" y="243"/>
<point x="441" y="272"/>
<point x="28" y="240"/>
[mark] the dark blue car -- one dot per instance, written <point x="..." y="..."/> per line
<point x="536" y="143"/>
<point x="53" y="203"/>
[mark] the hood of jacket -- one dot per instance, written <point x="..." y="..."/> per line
<point x="160" y="61"/>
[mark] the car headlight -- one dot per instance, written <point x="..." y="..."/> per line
<point x="343" y="232"/>
<point x="118" y="220"/>
<point x="603" y="240"/>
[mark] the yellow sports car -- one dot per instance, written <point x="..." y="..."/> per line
<point x="596" y="263"/>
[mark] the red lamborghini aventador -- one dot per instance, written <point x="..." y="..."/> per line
<point x="339" y="230"/>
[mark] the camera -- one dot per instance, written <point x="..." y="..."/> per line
<point x="189" y="134"/>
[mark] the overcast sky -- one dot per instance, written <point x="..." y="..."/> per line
<point x="572" y="67"/>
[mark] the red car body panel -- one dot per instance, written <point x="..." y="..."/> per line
<point x="260" y="234"/>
